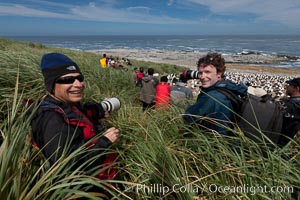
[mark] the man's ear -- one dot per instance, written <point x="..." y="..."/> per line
<point x="219" y="75"/>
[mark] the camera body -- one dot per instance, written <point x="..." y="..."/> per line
<point x="111" y="104"/>
<point x="189" y="74"/>
<point x="97" y="110"/>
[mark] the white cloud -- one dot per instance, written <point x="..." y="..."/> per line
<point x="131" y="14"/>
<point x="170" y="2"/>
<point x="281" y="12"/>
<point x="286" y="12"/>
<point x="140" y="9"/>
<point x="103" y="13"/>
<point x="19" y="10"/>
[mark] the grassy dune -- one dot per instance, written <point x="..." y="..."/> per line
<point x="159" y="156"/>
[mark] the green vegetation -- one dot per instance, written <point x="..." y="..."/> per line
<point x="159" y="156"/>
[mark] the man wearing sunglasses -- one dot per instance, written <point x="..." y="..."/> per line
<point x="62" y="124"/>
<point x="212" y="110"/>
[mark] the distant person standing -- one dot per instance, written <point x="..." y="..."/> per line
<point x="134" y="75"/>
<point x="148" y="91"/>
<point x="103" y="61"/>
<point x="291" y="106"/>
<point x="139" y="75"/>
<point x="163" y="93"/>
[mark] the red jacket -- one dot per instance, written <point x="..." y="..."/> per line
<point x="163" y="95"/>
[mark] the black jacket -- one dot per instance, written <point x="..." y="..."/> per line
<point x="291" y="120"/>
<point x="56" y="126"/>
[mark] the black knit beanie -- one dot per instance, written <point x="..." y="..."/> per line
<point x="55" y="65"/>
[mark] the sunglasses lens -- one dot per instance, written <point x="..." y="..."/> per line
<point x="80" y="78"/>
<point x="69" y="79"/>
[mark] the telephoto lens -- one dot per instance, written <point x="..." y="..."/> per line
<point x="189" y="74"/>
<point x="111" y="104"/>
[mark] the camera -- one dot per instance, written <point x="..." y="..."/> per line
<point x="111" y="104"/>
<point x="189" y="74"/>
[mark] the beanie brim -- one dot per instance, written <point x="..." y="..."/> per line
<point x="51" y="74"/>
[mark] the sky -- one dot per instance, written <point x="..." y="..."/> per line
<point x="149" y="17"/>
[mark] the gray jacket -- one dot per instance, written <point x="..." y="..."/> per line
<point x="148" y="90"/>
<point x="179" y="94"/>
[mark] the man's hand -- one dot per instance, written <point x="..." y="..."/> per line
<point x="112" y="134"/>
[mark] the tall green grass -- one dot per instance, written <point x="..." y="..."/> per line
<point x="159" y="156"/>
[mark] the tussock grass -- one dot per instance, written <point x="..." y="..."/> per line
<point x="159" y="156"/>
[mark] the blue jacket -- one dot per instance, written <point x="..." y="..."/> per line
<point x="215" y="107"/>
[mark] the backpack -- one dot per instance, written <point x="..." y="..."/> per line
<point x="259" y="118"/>
<point x="178" y="98"/>
<point x="139" y="79"/>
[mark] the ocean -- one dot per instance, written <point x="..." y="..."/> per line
<point x="261" y="44"/>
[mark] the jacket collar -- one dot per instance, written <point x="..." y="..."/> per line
<point x="229" y="85"/>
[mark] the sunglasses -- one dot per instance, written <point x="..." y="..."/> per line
<point x="69" y="79"/>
